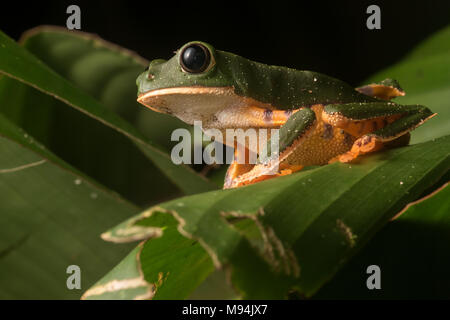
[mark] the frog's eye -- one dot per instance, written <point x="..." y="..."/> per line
<point x="195" y="58"/>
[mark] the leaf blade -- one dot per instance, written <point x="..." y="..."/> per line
<point x="321" y="232"/>
<point x="18" y="64"/>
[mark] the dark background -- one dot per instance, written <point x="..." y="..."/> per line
<point x="324" y="36"/>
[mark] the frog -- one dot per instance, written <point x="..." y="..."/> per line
<point x="320" y="119"/>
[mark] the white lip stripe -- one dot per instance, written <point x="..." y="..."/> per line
<point x="187" y="90"/>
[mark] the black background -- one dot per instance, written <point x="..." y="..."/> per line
<point x="324" y="36"/>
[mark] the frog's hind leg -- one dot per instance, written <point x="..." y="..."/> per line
<point x="293" y="133"/>
<point x="377" y="125"/>
<point x="385" y="90"/>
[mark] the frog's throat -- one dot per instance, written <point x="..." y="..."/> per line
<point x="216" y="107"/>
<point x="165" y="100"/>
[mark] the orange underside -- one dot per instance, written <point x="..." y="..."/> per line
<point x="359" y="128"/>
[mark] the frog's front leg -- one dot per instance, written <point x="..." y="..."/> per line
<point x="375" y="125"/>
<point x="291" y="134"/>
<point x="236" y="168"/>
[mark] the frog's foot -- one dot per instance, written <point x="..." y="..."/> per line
<point x="376" y="126"/>
<point x="371" y="143"/>
<point x="385" y="90"/>
<point x="363" y="145"/>
<point x="260" y="173"/>
<point x="234" y="171"/>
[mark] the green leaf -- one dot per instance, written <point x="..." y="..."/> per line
<point x="296" y="232"/>
<point x="170" y="265"/>
<point x="108" y="74"/>
<point x="125" y="281"/>
<point x="19" y="64"/>
<point x="51" y="217"/>
<point x="412" y="253"/>
<point x="103" y="70"/>
<point x="424" y="74"/>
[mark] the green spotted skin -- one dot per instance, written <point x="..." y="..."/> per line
<point x="283" y="88"/>
<point x="320" y="118"/>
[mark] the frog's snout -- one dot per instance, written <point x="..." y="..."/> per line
<point x="155" y="66"/>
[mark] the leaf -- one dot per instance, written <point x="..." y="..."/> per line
<point x="103" y="70"/>
<point x="93" y="148"/>
<point x="19" y="64"/>
<point x="117" y="287"/>
<point x="72" y="135"/>
<point x="425" y="76"/>
<point x="51" y="216"/>
<point x="296" y="232"/>
<point x="412" y="253"/>
<point x="170" y="265"/>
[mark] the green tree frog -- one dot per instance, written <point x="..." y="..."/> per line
<point x="320" y="119"/>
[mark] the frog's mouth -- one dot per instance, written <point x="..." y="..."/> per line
<point x="214" y="106"/>
<point x="177" y="99"/>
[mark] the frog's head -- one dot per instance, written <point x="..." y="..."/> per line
<point x="198" y="83"/>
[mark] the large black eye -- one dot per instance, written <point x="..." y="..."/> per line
<point x="195" y="58"/>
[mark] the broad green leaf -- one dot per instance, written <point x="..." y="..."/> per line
<point x="296" y="232"/>
<point x="19" y="64"/>
<point x="103" y="70"/>
<point x="425" y="76"/>
<point x="412" y="253"/>
<point x="51" y="217"/>
<point x="93" y="148"/>
<point x="170" y="265"/>
<point x="106" y="72"/>
<point x="125" y="281"/>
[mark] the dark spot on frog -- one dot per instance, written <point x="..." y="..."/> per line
<point x="268" y="115"/>
<point x="214" y="118"/>
<point x="348" y="138"/>
<point x="327" y="131"/>
<point x="288" y="113"/>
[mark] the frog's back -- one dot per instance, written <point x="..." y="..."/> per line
<point x="285" y="88"/>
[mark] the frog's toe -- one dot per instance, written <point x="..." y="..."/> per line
<point x="260" y="173"/>
<point x="286" y="170"/>
<point x="385" y="90"/>
<point x="365" y="144"/>
<point x="347" y="157"/>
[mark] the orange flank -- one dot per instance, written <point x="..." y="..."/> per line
<point x="265" y="117"/>
<point x="359" y="128"/>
